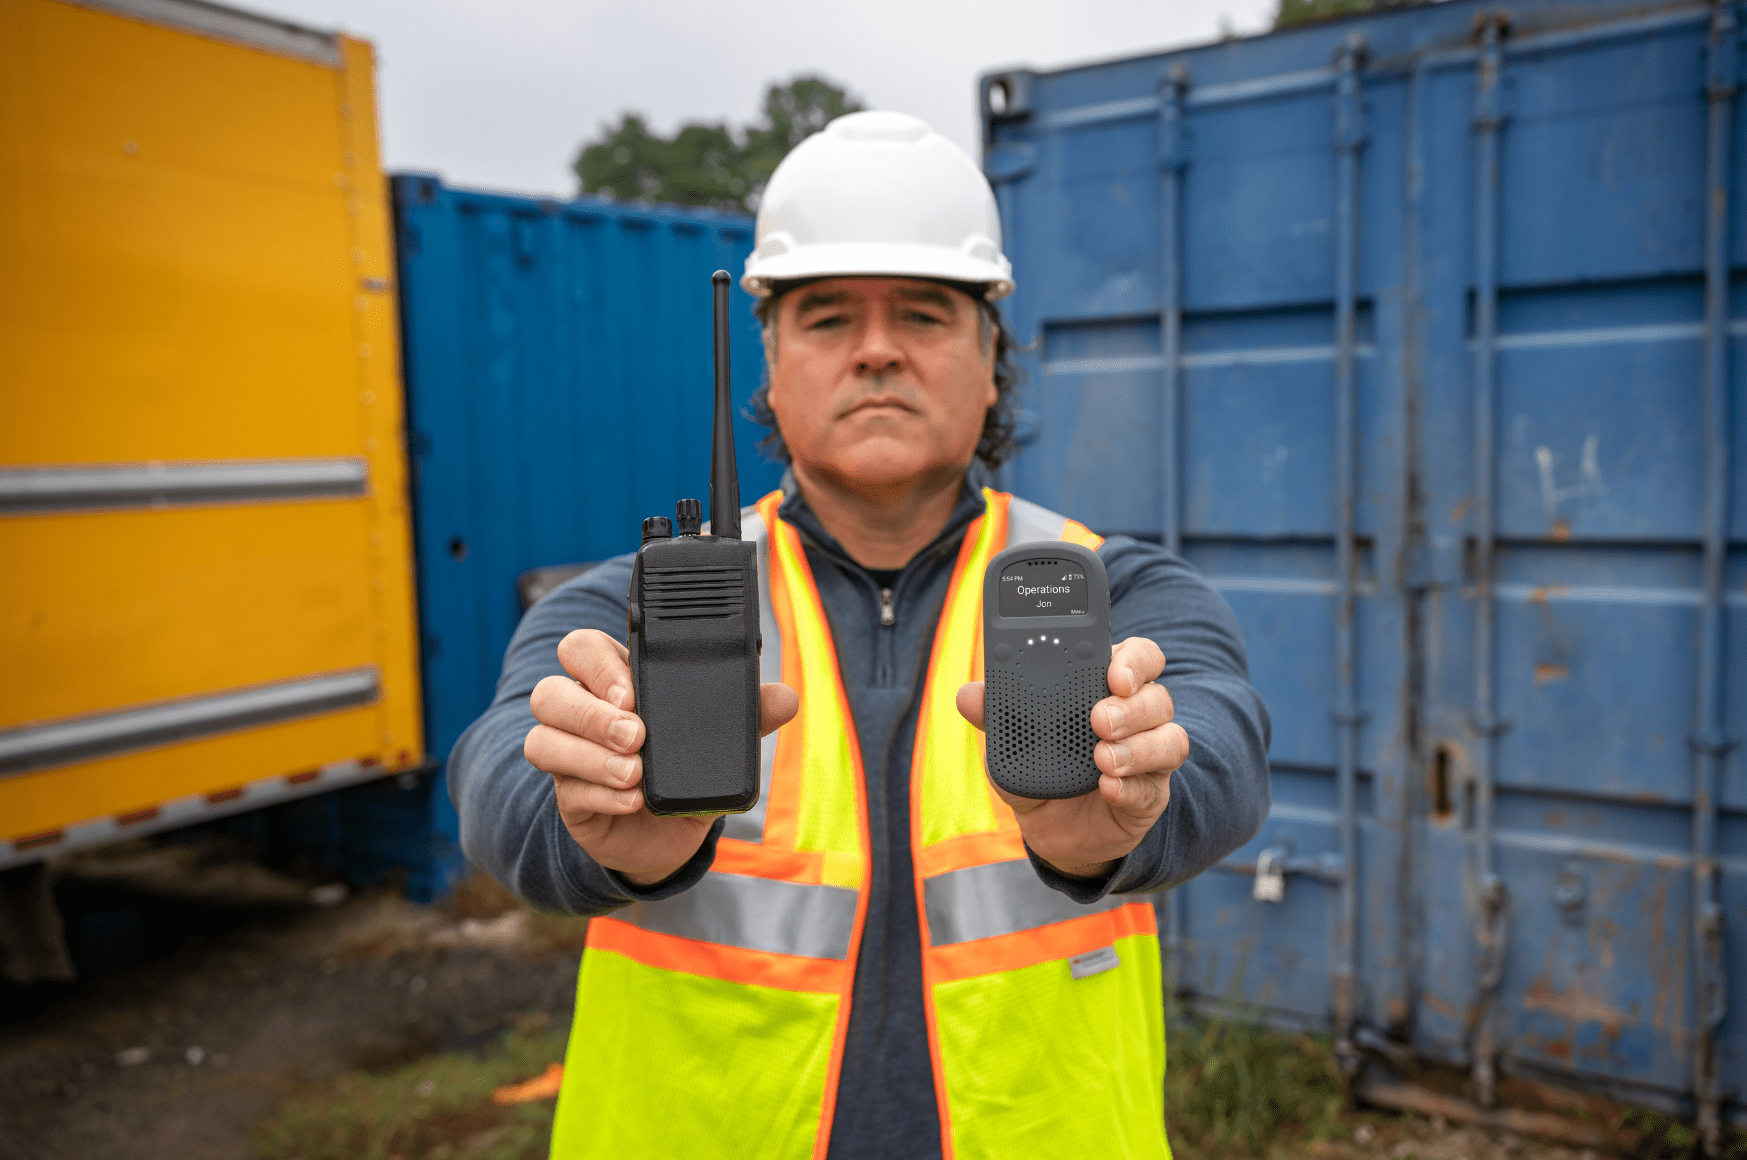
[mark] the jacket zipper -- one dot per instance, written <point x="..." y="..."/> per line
<point x="888" y="615"/>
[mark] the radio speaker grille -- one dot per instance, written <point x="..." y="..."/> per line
<point x="692" y="593"/>
<point x="1040" y="740"/>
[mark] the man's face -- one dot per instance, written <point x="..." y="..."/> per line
<point x="880" y="380"/>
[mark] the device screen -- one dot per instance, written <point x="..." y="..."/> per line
<point x="1044" y="588"/>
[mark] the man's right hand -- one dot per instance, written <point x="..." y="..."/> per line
<point x="588" y="739"/>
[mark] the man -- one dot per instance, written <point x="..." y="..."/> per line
<point x="887" y="957"/>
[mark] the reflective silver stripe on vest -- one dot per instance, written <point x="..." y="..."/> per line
<point x="749" y="826"/>
<point x="998" y="898"/>
<point x="1028" y="523"/>
<point x="755" y="914"/>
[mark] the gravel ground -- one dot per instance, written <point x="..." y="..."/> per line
<point x="1411" y="1138"/>
<point x="182" y="1056"/>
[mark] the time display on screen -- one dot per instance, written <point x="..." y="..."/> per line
<point x="1044" y="588"/>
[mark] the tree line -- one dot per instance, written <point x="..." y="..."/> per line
<point x="725" y="167"/>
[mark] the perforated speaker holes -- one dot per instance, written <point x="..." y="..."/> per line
<point x="1040" y="741"/>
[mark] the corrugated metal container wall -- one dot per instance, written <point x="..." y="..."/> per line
<point x="1416" y="330"/>
<point x="206" y="603"/>
<point x="559" y="389"/>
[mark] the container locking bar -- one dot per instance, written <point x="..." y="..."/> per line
<point x="1173" y="160"/>
<point x="1491" y="935"/>
<point x="1711" y="741"/>
<point x="1349" y="141"/>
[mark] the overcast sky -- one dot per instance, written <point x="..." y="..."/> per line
<point x="500" y="93"/>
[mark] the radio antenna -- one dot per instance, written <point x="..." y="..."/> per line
<point x="724" y="476"/>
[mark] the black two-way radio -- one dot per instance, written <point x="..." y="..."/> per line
<point x="693" y="635"/>
<point x="1046" y="662"/>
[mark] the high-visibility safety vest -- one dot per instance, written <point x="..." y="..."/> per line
<point x="712" y="1024"/>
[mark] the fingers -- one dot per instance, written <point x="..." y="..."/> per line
<point x="586" y="729"/>
<point x="564" y="704"/>
<point x="1133" y="663"/>
<point x="1155" y="751"/>
<point x="777" y="706"/>
<point x="970" y="702"/>
<point x="1144" y="795"/>
<point x="1114" y="718"/>
<point x="600" y="664"/>
<point x="564" y="754"/>
<point x="577" y="799"/>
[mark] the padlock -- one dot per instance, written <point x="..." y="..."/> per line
<point x="1270" y="883"/>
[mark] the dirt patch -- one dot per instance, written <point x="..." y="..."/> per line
<point x="275" y="1027"/>
<point x="441" y="1107"/>
<point x="184" y="1056"/>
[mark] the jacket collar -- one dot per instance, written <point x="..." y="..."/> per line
<point x="795" y="512"/>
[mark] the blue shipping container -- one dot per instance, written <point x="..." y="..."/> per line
<point x="558" y="379"/>
<point x="1421" y="332"/>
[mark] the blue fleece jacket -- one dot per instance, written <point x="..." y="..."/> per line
<point x="885" y="1104"/>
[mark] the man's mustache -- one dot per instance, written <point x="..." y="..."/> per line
<point x="878" y="390"/>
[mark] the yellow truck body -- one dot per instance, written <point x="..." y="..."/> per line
<point x="206" y="585"/>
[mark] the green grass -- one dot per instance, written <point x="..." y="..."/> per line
<point x="1240" y="1091"/>
<point x="1233" y="1090"/>
<point x="1660" y="1137"/>
<point x="438" y="1108"/>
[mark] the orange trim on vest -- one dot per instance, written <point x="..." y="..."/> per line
<point x="994" y="510"/>
<point x="807" y="867"/>
<point x="1074" y="532"/>
<point x="1004" y="845"/>
<point x="1027" y="948"/>
<point x="731" y="964"/>
<point x="966" y="548"/>
<point x="782" y="810"/>
<point x="783" y="803"/>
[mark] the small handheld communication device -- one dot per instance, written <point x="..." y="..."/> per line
<point x="1046" y="658"/>
<point x="693" y="635"/>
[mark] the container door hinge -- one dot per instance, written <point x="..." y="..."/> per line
<point x="1173" y="136"/>
<point x="1714" y="998"/>
<point x="1494" y="934"/>
<point x="1431" y="563"/>
<point x="1398" y="1055"/>
<point x="1714" y="742"/>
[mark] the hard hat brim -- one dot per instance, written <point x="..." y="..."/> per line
<point x="843" y="260"/>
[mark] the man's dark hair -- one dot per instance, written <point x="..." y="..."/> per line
<point x="994" y="447"/>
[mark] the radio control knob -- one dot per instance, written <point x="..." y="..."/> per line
<point x="688" y="517"/>
<point x="1085" y="650"/>
<point x="1003" y="653"/>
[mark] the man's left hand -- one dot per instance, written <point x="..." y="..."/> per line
<point x="1139" y="747"/>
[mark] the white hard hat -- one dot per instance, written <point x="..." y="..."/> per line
<point x="878" y="194"/>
